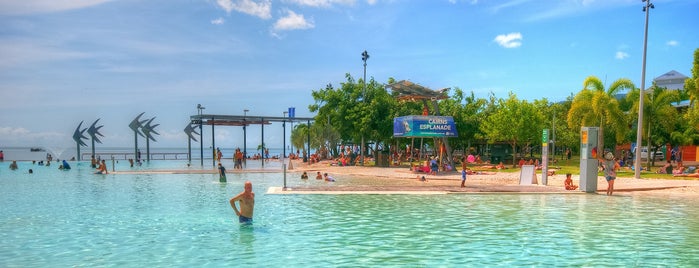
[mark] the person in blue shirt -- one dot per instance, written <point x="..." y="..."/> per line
<point x="65" y="165"/>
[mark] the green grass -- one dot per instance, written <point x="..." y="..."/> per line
<point x="573" y="166"/>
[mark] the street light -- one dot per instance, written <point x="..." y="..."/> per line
<point x="245" y="136"/>
<point x="284" y="137"/>
<point x="639" y="127"/>
<point x="365" y="56"/>
<point x="201" y="141"/>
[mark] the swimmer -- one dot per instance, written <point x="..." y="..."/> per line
<point x="318" y="176"/>
<point x="329" y="178"/>
<point x="13" y="166"/>
<point x="65" y="165"/>
<point x="221" y="173"/>
<point x="102" y="169"/>
<point x="247" y="204"/>
<point x="304" y="176"/>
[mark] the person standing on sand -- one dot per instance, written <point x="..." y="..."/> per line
<point x="463" y="178"/>
<point x="610" y="168"/>
<point x="247" y="204"/>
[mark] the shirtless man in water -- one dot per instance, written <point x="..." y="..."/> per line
<point x="247" y="204"/>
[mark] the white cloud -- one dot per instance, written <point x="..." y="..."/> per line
<point x="326" y="3"/>
<point x="44" y="6"/>
<point x="261" y="9"/>
<point x="672" y="43"/>
<point x="218" y="21"/>
<point x="620" y="55"/>
<point x="23" y="136"/>
<point x="511" y="40"/>
<point x="293" y="21"/>
<point x="14" y="52"/>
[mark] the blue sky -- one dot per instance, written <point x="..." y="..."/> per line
<point x="65" y="61"/>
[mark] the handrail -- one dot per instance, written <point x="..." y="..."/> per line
<point x="126" y="156"/>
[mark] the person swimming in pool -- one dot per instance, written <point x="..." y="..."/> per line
<point x="247" y="204"/>
<point x="221" y="173"/>
<point x="64" y="165"/>
<point x="102" y="169"/>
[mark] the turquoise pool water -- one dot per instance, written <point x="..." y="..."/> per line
<point x="75" y="218"/>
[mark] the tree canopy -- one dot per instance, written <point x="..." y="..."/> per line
<point x="357" y="109"/>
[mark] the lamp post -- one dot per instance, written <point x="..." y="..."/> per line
<point x="284" y="137"/>
<point x="291" y="131"/>
<point x="365" y="56"/>
<point x="639" y="127"/>
<point x="245" y="135"/>
<point x="201" y="142"/>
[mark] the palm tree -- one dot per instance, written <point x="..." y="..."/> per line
<point x="659" y="116"/>
<point x="595" y="106"/>
<point x="691" y="85"/>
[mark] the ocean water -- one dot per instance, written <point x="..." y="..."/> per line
<point x="121" y="153"/>
<point x="76" y="218"/>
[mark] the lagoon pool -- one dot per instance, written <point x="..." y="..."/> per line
<point x="75" y="218"/>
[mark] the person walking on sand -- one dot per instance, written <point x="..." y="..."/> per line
<point x="247" y="204"/>
<point x="610" y="168"/>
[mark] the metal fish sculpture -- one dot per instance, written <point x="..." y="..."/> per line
<point x="149" y="129"/>
<point x="136" y="123"/>
<point x="190" y="131"/>
<point x="78" y="135"/>
<point x="94" y="131"/>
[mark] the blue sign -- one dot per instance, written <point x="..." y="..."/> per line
<point x="292" y="112"/>
<point x="424" y="126"/>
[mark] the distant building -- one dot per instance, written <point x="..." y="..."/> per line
<point x="671" y="80"/>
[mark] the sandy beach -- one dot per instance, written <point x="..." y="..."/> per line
<point x="402" y="179"/>
<point x="369" y="179"/>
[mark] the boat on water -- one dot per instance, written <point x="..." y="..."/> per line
<point x="37" y="149"/>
